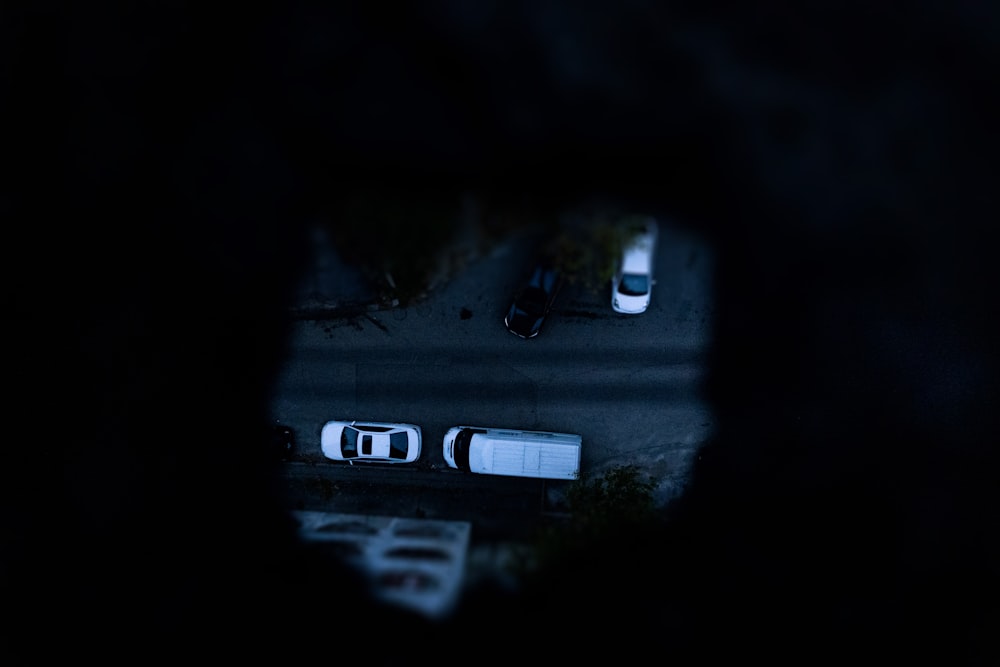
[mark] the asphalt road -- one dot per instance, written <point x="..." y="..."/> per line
<point x="629" y="384"/>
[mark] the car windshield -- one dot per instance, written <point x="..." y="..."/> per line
<point x="634" y="284"/>
<point x="532" y="300"/>
<point x="349" y="441"/>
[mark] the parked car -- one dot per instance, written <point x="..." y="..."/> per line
<point x="282" y="441"/>
<point x="513" y="452"/>
<point x="370" y="442"/>
<point x="633" y="282"/>
<point x="533" y="301"/>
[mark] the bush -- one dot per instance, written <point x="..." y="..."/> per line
<point x="588" y="252"/>
<point x="402" y="234"/>
<point x="601" y="509"/>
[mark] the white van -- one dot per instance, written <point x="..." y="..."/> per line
<point x="516" y="453"/>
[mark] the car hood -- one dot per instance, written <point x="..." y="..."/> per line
<point x="523" y="324"/>
<point x="630" y="304"/>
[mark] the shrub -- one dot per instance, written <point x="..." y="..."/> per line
<point x="601" y="509"/>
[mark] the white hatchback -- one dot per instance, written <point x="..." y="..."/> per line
<point x="370" y="442"/>
<point x="632" y="284"/>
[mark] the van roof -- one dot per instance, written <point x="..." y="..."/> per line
<point x="548" y="455"/>
<point x="520" y="436"/>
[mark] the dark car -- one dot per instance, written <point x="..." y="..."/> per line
<point x="534" y="300"/>
<point x="282" y="441"/>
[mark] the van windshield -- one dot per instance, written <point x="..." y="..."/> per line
<point x="461" y="450"/>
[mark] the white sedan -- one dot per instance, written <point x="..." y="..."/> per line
<point x="633" y="281"/>
<point x="370" y="442"/>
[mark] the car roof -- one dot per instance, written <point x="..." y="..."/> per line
<point x="638" y="258"/>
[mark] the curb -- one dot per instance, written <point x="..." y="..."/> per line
<point x="340" y="310"/>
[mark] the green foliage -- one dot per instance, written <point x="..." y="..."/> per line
<point x="396" y="233"/>
<point x="398" y="238"/>
<point x="618" y="497"/>
<point x="617" y="503"/>
<point x="588" y="252"/>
